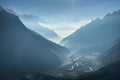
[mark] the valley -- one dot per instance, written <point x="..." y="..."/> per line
<point x="28" y="50"/>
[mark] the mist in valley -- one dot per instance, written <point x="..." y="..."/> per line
<point x="59" y="40"/>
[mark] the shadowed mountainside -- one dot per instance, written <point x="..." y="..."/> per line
<point x="109" y="72"/>
<point x="112" y="54"/>
<point x="23" y="51"/>
<point x="95" y="36"/>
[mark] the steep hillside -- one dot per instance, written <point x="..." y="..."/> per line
<point x="24" y="51"/>
<point x="94" y="36"/>
<point x="112" y="54"/>
<point x="38" y="25"/>
<point x="109" y="72"/>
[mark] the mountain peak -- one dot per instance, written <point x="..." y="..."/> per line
<point x="21" y="48"/>
<point x="95" y="35"/>
<point x="112" y="14"/>
<point x="1" y="8"/>
<point x="4" y="9"/>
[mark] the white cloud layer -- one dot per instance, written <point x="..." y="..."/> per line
<point x="66" y="29"/>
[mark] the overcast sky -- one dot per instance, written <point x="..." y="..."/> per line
<point x="64" y="16"/>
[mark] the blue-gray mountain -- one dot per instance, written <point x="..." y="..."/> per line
<point x="109" y="72"/>
<point x="34" y="23"/>
<point x="95" y="36"/>
<point x="23" y="51"/>
<point x="112" y="54"/>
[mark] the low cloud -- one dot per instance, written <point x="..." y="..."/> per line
<point x="78" y="24"/>
<point x="68" y="28"/>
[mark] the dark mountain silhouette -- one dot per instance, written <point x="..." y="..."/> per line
<point x="23" y="51"/>
<point x="109" y="72"/>
<point x="110" y="59"/>
<point x="112" y="54"/>
<point x="95" y="36"/>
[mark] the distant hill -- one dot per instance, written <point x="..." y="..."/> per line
<point x="23" y="51"/>
<point x="95" y="36"/>
<point x="38" y="25"/>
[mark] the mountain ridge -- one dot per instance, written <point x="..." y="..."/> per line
<point x="95" y="35"/>
<point x="23" y="51"/>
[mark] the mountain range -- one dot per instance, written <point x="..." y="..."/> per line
<point x="23" y="51"/>
<point x="109" y="72"/>
<point x="38" y="25"/>
<point x="26" y="52"/>
<point x="95" y="36"/>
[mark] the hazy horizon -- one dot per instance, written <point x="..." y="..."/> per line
<point x="59" y="39"/>
<point x="63" y="16"/>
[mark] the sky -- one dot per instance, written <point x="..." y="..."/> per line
<point x="63" y="16"/>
